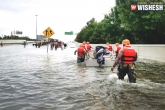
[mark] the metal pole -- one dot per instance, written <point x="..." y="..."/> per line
<point x="47" y="45"/>
<point x="11" y="34"/>
<point x="36" y="28"/>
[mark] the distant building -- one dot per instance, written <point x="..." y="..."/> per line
<point x="43" y="38"/>
<point x="40" y="37"/>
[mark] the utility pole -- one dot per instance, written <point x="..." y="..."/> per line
<point x="36" y="28"/>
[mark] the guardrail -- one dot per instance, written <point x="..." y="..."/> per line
<point x="12" y="41"/>
<point x="153" y="52"/>
<point x="147" y="51"/>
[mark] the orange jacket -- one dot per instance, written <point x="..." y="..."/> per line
<point x="84" y="46"/>
<point x="110" y="47"/>
<point x="118" y="48"/>
<point x="80" y="51"/>
<point x="88" y="47"/>
<point x="129" y="55"/>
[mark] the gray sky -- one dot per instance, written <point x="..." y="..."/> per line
<point x="59" y="15"/>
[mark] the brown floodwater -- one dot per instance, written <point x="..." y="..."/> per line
<point x="32" y="79"/>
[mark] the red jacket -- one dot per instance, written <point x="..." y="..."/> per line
<point x="110" y="47"/>
<point x="118" y="48"/>
<point x="129" y="55"/>
<point x="80" y="51"/>
<point x="88" y="47"/>
<point x="84" y="46"/>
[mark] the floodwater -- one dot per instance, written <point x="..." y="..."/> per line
<point x="32" y="79"/>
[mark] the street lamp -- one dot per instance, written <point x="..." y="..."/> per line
<point x="36" y="28"/>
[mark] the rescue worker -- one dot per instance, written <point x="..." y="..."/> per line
<point x="36" y="44"/>
<point x="110" y="48"/>
<point x="56" y="45"/>
<point x="60" y="45"/>
<point x="107" y="52"/>
<point x="65" y="45"/>
<point x="117" y="49"/>
<point x="84" y="46"/>
<point x="126" y="59"/>
<point x="1" y="44"/>
<point x="24" y="43"/>
<point x="51" y="45"/>
<point x="88" y="48"/>
<point x="80" y="53"/>
<point x="39" y="44"/>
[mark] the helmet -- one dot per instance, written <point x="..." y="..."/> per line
<point x="87" y="42"/>
<point x="81" y="45"/>
<point x="84" y="42"/>
<point x="117" y="44"/>
<point x="126" y="41"/>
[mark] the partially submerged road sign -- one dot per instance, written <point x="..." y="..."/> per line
<point x="48" y="32"/>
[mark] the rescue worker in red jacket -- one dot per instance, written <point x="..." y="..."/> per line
<point x="117" y="49"/>
<point x="80" y="53"/>
<point x="60" y="44"/>
<point x="110" y="48"/>
<point x="88" y="48"/>
<point x="56" y="45"/>
<point x="126" y="59"/>
<point x="84" y="44"/>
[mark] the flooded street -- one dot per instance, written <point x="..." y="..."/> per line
<point x="32" y="79"/>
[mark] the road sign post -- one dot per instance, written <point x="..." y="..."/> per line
<point x="47" y="45"/>
<point x="48" y="33"/>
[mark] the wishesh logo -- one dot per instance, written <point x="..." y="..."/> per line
<point x="146" y="6"/>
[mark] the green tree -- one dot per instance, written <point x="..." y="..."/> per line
<point x="121" y="23"/>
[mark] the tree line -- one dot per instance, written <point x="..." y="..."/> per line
<point x="140" y="27"/>
<point x="16" y="37"/>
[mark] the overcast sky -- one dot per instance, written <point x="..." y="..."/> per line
<point x="59" y="15"/>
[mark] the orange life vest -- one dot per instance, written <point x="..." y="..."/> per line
<point x="118" y="48"/>
<point x="110" y="47"/>
<point x="88" y="47"/>
<point x="129" y="55"/>
<point x="83" y="46"/>
<point x="80" y="51"/>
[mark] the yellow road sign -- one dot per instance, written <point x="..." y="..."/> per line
<point x="48" y="32"/>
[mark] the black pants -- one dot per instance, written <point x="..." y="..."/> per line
<point x="128" y="69"/>
<point x="116" y="55"/>
<point x="80" y="59"/>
